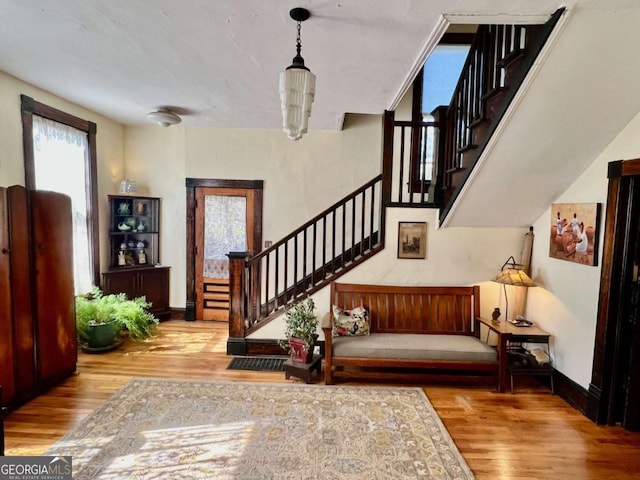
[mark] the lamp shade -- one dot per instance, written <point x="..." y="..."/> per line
<point x="297" y="90"/>
<point x="514" y="276"/>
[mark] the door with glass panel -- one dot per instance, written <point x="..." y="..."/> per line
<point x="224" y="223"/>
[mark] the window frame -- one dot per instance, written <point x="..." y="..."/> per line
<point x="416" y="183"/>
<point x="30" y="107"/>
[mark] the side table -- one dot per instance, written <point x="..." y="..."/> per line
<point x="509" y="334"/>
<point x="302" y="370"/>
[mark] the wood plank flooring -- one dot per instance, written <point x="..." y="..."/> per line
<point x="529" y="435"/>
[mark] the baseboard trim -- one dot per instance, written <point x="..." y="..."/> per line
<point x="574" y="394"/>
<point x="259" y="346"/>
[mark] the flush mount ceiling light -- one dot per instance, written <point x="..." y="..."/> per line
<point x="164" y="117"/>
<point x="297" y="87"/>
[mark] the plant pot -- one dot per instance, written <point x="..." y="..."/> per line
<point x="102" y="335"/>
<point x="301" y="352"/>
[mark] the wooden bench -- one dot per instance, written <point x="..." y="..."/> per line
<point x="432" y="328"/>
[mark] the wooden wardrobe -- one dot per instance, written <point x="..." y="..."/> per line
<point x="38" y="346"/>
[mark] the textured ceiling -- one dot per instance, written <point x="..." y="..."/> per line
<point x="217" y="62"/>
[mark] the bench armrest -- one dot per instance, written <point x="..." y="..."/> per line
<point x="326" y="322"/>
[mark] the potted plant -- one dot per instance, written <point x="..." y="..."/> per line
<point x="300" y="331"/>
<point x="101" y="319"/>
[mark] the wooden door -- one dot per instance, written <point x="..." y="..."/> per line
<point x="614" y="391"/>
<point x="56" y="345"/>
<point x="224" y="222"/>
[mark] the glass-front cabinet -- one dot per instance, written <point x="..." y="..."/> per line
<point x="134" y="231"/>
<point x="134" y="244"/>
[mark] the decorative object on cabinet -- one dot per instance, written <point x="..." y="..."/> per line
<point x="101" y="320"/>
<point x="134" y="267"/>
<point x="38" y="345"/>
<point x="574" y="232"/>
<point x="128" y="187"/>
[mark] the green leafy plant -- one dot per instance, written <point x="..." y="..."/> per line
<point x="95" y="309"/>
<point x="301" y="323"/>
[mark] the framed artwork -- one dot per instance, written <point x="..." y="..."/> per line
<point x="574" y="232"/>
<point x="412" y="239"/>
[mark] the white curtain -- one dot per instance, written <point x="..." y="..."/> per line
<point x="60" y="158"/>
<point x="225" y="230"/>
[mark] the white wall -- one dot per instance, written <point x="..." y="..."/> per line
<point x="300" y="178"/>
<point x="109" y="140"/>
<point x="566" y="302"/>
<point x="455" y="256"/>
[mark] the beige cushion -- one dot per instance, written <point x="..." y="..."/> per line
<point x="415" y="347"/>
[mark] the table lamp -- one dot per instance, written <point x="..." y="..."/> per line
<point x="512" y="273"/>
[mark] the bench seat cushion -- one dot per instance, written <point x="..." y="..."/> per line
<point x="415" y="347"/>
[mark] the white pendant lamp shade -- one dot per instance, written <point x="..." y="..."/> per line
<point x="297" y="87"/>
<point x="164" y="118"/>
<point x="297" y="90"/>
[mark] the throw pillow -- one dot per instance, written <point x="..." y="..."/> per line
<point x="350" y="322"/>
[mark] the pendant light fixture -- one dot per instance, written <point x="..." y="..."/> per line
<point x="164" y="117"/>
<point x="297" y="87"/>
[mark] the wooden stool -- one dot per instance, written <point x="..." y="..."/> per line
<point x="302" y="370"/>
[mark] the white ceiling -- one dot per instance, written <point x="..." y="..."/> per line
<point x="217" y="64"/>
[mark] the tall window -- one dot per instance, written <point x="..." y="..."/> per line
<point x="59" y="152"/>
<point x="432" y="88"/>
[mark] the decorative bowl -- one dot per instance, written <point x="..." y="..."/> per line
<point x="123" y="227"/>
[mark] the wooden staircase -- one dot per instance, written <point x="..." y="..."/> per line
<point x="353" y="229"/>
<point x="309" y="258"/>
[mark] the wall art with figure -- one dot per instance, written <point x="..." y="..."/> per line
<point x="574" y="232"/>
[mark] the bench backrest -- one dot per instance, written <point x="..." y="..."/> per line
<point x="407" y="309"/>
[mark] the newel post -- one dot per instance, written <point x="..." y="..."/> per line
<point x="237" y="297"/>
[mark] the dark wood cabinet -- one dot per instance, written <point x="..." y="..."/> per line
<point x="152" y="282"/>
<point x="134" y="243"/>
<point x="38" y="345"/>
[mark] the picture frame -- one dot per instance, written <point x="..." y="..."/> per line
<point x="574" y="232"/>
<point x="412" y="239"/>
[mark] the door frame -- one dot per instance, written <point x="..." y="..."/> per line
<point x="611" y="354"/>
<point x="191" y="185"/>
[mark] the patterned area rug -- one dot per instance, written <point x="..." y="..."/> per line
<point x="260" y="364"/>
<point x="156" y="428"/>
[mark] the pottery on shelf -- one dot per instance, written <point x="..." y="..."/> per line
<point x="123" y="227"/>
<point x="123" y="208"/>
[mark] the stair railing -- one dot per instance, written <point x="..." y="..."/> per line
<point x="328" y="245"/>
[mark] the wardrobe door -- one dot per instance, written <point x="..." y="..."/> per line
<point x="52" y="232"/>
<point x="17" y="320"/>
<point x="6" y="319"/>
<point x="21" y="293"/>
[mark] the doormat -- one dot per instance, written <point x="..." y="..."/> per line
<point x="263" y="364"/>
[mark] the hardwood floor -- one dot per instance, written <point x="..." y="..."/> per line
<point x="529" y="435"/>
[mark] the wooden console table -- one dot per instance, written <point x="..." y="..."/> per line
<point x="509" y="334"/>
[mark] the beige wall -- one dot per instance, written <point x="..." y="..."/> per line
<point x="566" y="302"/>
<point x="300" y="178"/>
<point x="455" y="256"/>
<point x="110" y="143"/>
